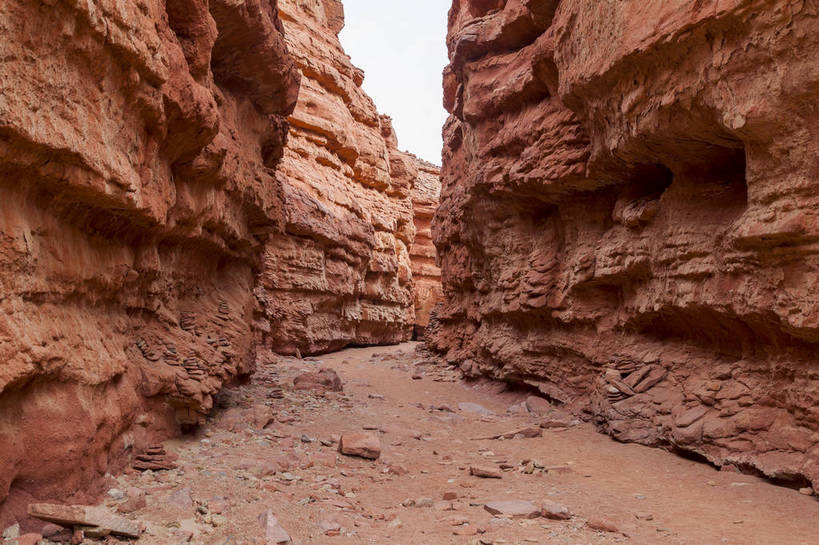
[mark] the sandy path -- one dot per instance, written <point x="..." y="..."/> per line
<point x="227" y="478"/>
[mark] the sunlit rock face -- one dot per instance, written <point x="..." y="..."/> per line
<point x="138" y="148"/>
<point x="340" y="272"/>
<point x="629" y="217"/>
<point x="426" y="276"/>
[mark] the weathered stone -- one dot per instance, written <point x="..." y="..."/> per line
<point x="485" y="472"/>
<point x="274" y="534"/>
<point x="363" y="445"/>
<point x="96" y="518"/>
<point x="555" y="511"/>
<point x="474" y="408"/>
<point x="513" y="509"/>
<point x="326" y="379"/>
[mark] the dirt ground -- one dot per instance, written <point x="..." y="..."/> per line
<point x="233" y="470"/>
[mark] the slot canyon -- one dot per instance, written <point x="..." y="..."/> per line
<point x="234" y="310"/>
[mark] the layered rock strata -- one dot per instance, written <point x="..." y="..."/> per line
<point x="340" y="272"/>
<point x="138" y="143"/>
<point x="426" y="276"/>
<point x="629" y="217"/>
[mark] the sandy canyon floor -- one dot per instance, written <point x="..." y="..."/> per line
<point x="260" y="454"/>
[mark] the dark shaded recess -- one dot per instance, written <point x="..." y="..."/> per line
<point x="648" y="182"/>
<point x="728" y="334"/>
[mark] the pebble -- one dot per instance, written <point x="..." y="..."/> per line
<point x="116" y="494"/>
<point x="806" y="491"/>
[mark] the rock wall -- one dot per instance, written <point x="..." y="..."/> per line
<point x="629" y="222"/>
<point x="138" y="143"/>
<point x="426" y="276"/>
<point x="340" y="272"/>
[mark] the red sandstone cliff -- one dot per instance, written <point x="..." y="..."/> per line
<point x="426" y="276"/>
<point x="628" y="217"/>
<point x="137" y="152"/>
<point x="340" y="273"/>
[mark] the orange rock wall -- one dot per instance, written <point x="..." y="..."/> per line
<point x="629" y="222"/>
<point x="426" y="276"/>
<point x="138" y="148"/>
<point x="340" y="273"/>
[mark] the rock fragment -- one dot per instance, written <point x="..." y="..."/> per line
<point x="96" y="518"/>
<point x="485" y="472"/>
<point x="274" y="534"/>
<point x="555" y="511"/>
<point x="362" y="445"/>
<point x="513" y="509"/>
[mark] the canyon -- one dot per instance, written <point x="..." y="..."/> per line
<point x="185" y="189"/>
<point x="627" y="224"/>
<point x="209" y="233"/>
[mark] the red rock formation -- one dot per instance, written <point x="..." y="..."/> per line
<point x="340" y="273"/>
<point x="137" y="152"/>
<point x="426" y="276"/>
<point x="628" y="221"/>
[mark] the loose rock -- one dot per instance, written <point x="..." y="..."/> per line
<point x="363" y="445"/>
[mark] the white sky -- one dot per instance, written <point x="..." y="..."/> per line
<point x="401" y="46"/>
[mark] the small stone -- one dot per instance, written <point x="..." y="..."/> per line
<point x="424" y="502"/>
<point x="274" y="534"/>
<point x="555" y="511"/>
<point x="806" y="491"/>
<point x="394" y="468"/>
<point x="538" y="406"/>
<point x="134" y="502"/>
<point x="29" y="539"/>
<point x="603" y="525"/>
<point x="643" y="516"/>
<point x="449" y="496"/>
<point x="363" y="445"/>
<point x="485" y="472"/>
<point x="474" y="408"/>
<point x="116" y="494"/>
<point x="513" y="509"/>
<point x="330" y="528"/>
<point x="12" y="532"/>
<point x="51" y="530"/>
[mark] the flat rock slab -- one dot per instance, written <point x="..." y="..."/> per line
<point x="274" y="534"/>
<point x="99" y="519"/>
<point x="518" y="509"/>
<point x="485" y="472"/>
<point x="363" y="445"/>
<point x="474" y="408"/>
<point x="525" y="433"/>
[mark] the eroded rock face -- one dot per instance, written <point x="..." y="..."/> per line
<point x="340" y="274"/>
<point x="629" y="221"/>
<point x="138" y="144"/>
<point x="426" y="276"/>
